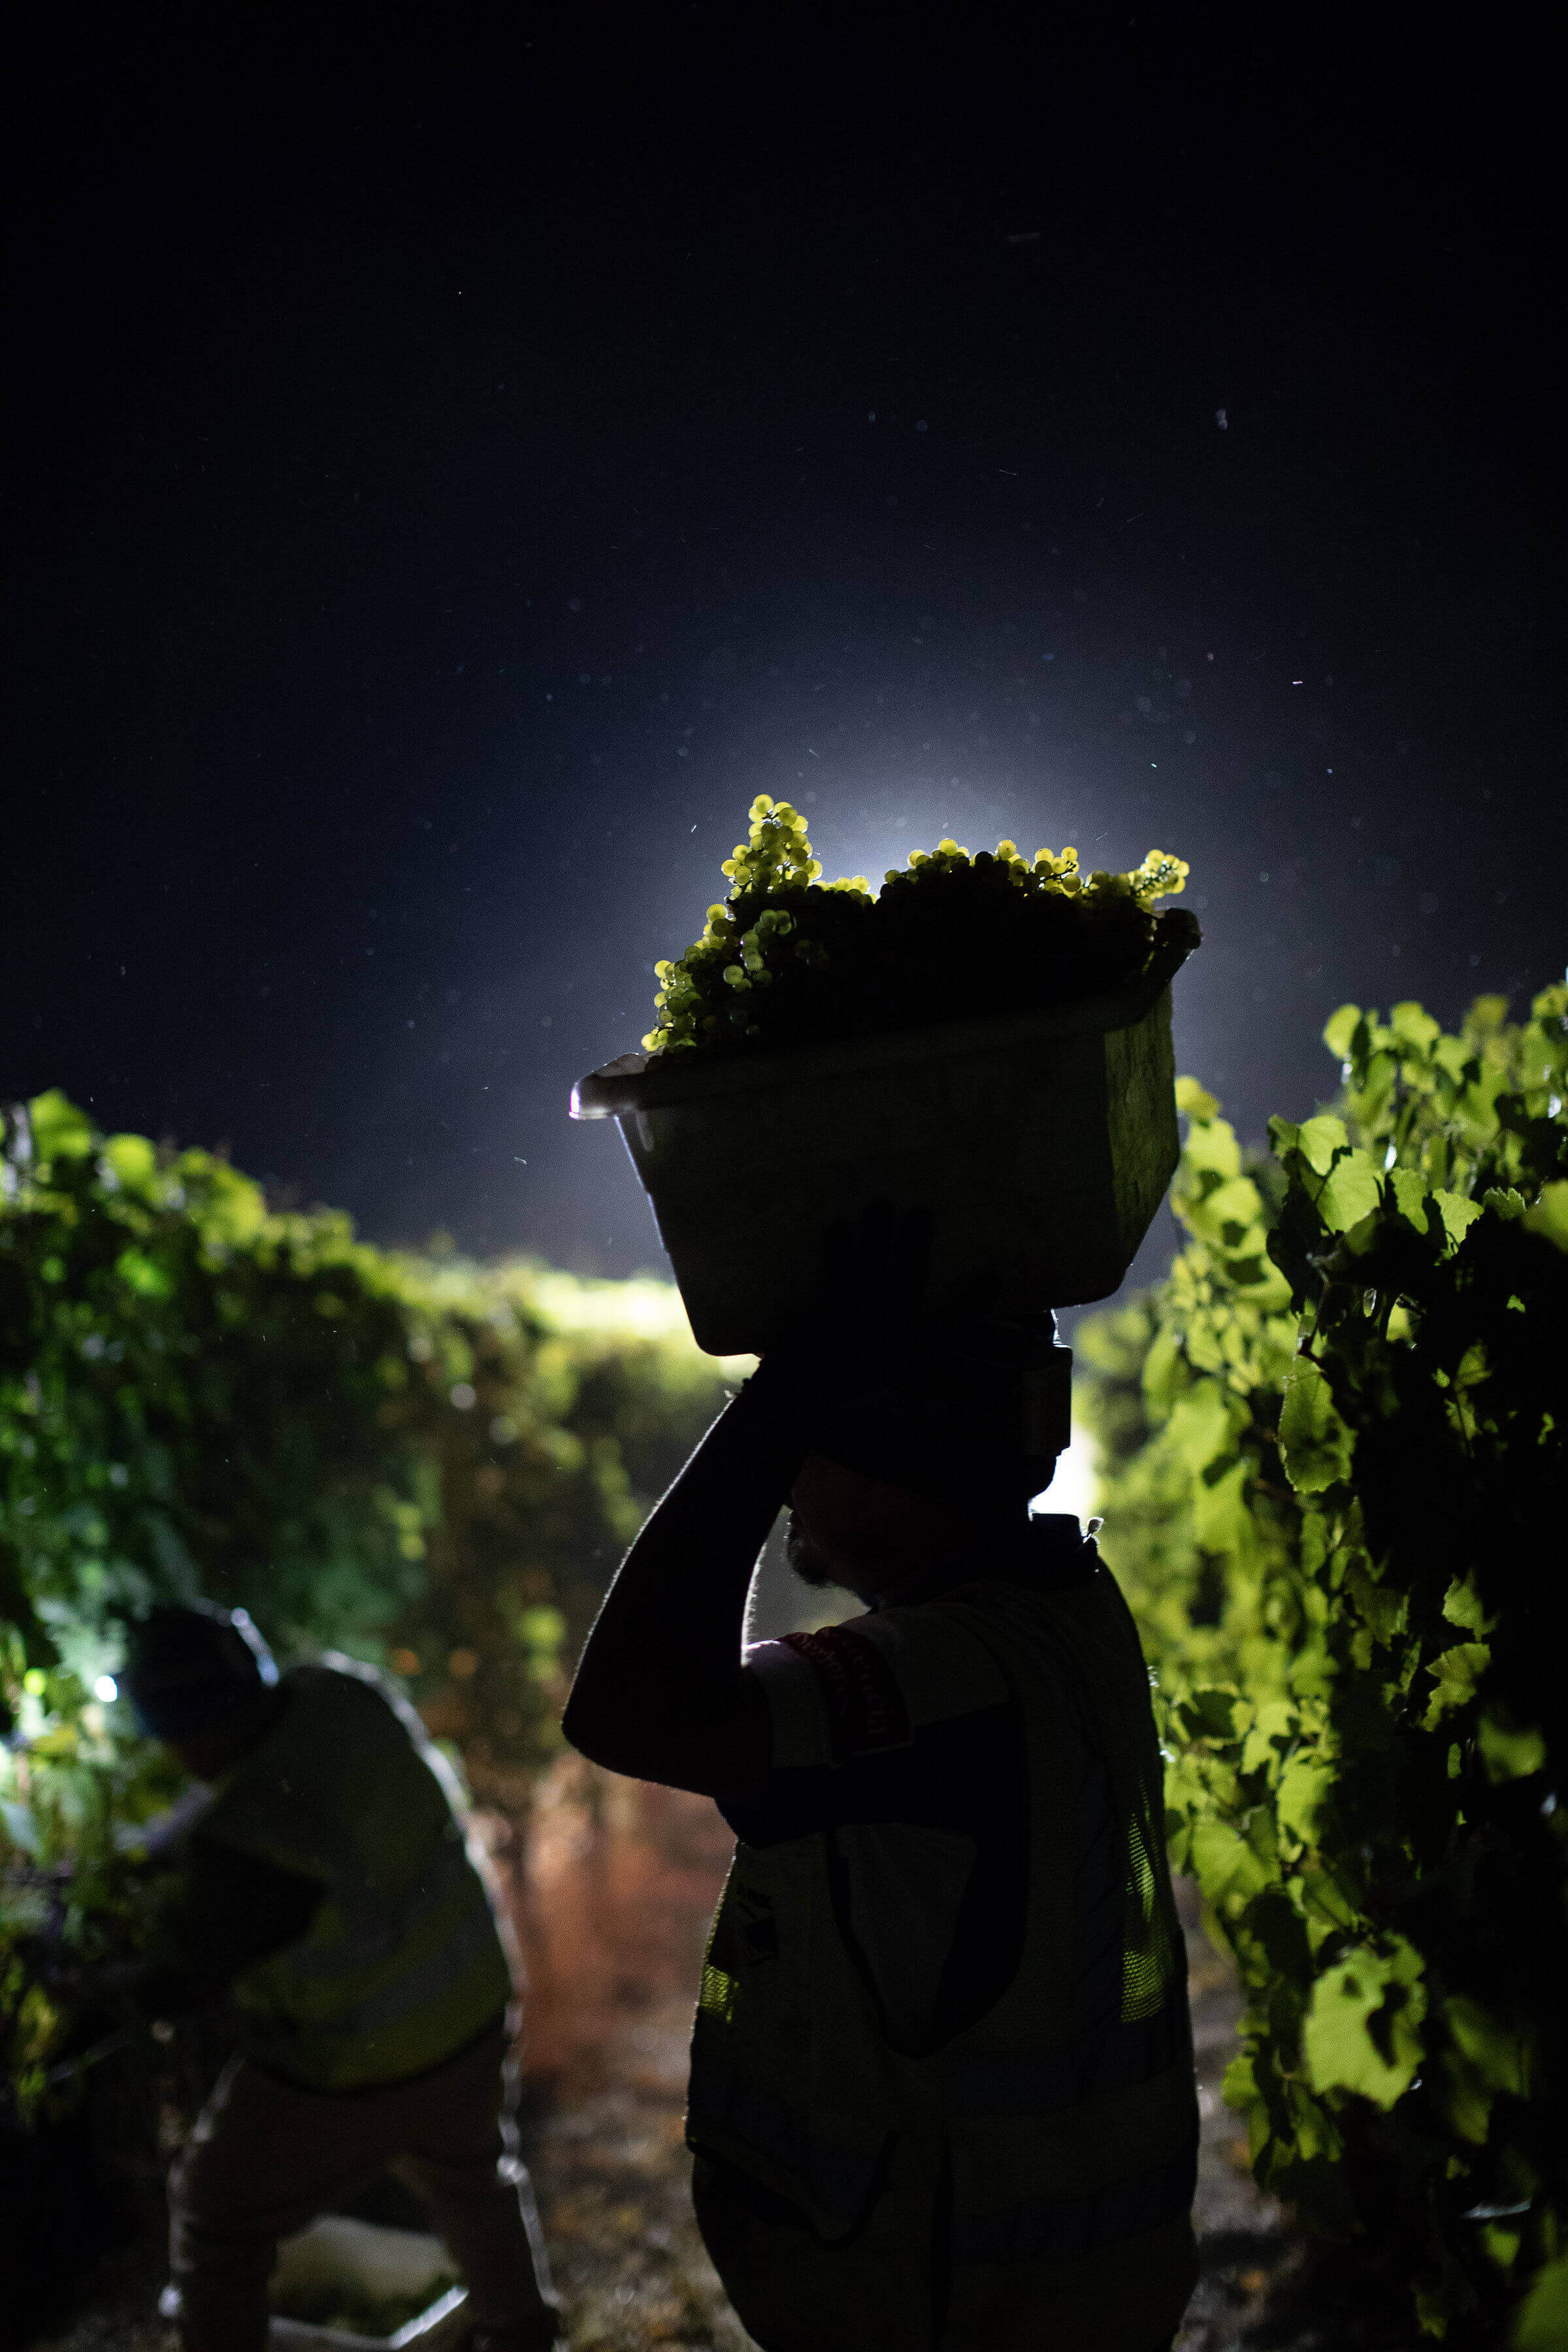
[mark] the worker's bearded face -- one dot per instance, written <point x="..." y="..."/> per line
<point x="876" y="1540"/>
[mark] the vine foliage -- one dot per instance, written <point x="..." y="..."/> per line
<point x="430" y="1464"/>
<point x="1333" y="1457"/>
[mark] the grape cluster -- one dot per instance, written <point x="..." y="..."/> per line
<point x="787" y="958"/>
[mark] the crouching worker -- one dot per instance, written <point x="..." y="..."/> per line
<point x="941" y="2087"/>
<point x="327" y="1891"/>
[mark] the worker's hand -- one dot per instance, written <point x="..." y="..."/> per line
<point x="866" y="1304"/>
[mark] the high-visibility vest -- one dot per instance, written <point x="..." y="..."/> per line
<point x="1046" y="2155"/>
<point x="402" y="1963"/>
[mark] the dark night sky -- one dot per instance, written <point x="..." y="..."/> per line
<point x="443" y="486"/>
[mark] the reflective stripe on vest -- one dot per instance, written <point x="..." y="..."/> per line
<point x="761" y="2099"/>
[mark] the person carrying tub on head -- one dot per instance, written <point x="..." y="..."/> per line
<point x="942" y="2093"/>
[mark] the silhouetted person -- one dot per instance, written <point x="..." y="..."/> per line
<point x="328" y="1891"/>
<point x="941" y="2083"/>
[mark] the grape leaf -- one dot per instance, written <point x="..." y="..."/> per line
<point x="1411" y="1197"/>
<point x="1337" y="2041"/>
<point x="1307" y="1778"/>
<point x="1459" y="1214"/>
<point x="1507" y="1753"/>
<point x="59" y="1130"/>
<point x="1458" y="1674"/>
<point x="1196" y="1100"/>
<point x="1339" y="1028"/>
<point x="1349" y="1192"/>
<point x="1549" y="1217"/>
<point x="1316" y="1446"/>
<point x="1321" y="1140"/>
<point x="1541" y="2322"/>
<point x="1414" y="1025"/>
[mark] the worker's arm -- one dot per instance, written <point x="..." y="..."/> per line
<point x="231" y="1910"/>
<point x="660" y="1692"/>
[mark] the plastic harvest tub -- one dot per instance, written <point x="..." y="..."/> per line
<point x="1042" y="1143"/>
<point x="369" y="2261"/>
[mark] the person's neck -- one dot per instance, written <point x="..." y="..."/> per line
<point x="990" y="1547"/>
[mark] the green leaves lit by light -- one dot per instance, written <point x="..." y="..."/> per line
<point x="57" y="1130"/>
<point x="1340" y="1029"/>
<point x="416" y="1457"/>
<point x="144" y="1275"/>
<point x="543" y="1628"/>
<point x="1326" y="1502"/>
<point x="129" y="1162"/>
<point x="1307" y="1780"/>
<point x="1462" y="1606"/>
<point x="1458" y="1674"/>
<point x="1458" y="1214"/>
<point x="1548" y="1216"/>
<point x="1362" y="2027"/>
<point x="1541" y="2322"/>
<point x="1316" y="1446"/>
<point x="1486" y="2055"/>
<point x="1196" y="1101"/>
<point x="1349" y="1190"/>
<point x="1226" y="1866"/>
<point x="1508" y="1752"/>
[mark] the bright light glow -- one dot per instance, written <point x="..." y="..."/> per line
<point x="106" y="1689"/>
<point x="1075" y="1486"/>
<point x="643" y="1308"/>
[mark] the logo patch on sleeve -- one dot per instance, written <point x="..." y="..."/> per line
<point x="865" y="1708"/>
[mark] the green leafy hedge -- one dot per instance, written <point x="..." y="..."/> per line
<point x="1332" y="1449"/>
<point x="427" y="1463"/>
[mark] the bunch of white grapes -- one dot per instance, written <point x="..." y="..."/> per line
<point x="779" y="914"/>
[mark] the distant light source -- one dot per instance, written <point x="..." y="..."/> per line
<point x="1074" y="1485"/>
<point x="106" y="1689"/>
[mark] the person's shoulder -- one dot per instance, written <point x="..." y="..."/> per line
<point x="1079" y="1632"/>
<point x="333" y="1679"/>
<point x="943" y="1664"/>
<point x="336" y="1687"/>
<point x="335" y="1708"/>
<point x="870" y="1683"/>
<point x="1095" y="1603"/>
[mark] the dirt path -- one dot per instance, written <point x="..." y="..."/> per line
<point x="622" y="1882"/>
